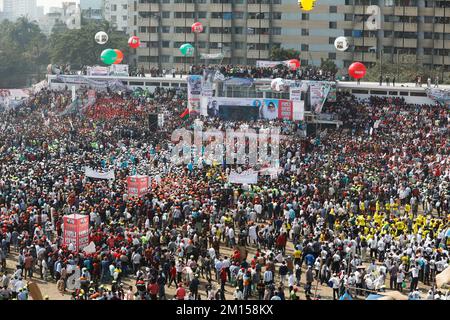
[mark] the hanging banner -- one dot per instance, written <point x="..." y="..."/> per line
<point x="97" y="71"/>
<point x="246" y="109"/>
<point x="118" y="70"/>
<point x="138" y="185"/>
<point x="239" y="82"/>
<point x="272" y="64"/>
<point x="76" y="231"/>
<point x="99" y="175"/>
<point x="211" y="56"/>
<point x="325" y="91"/>
<point x="295" y="93"/>
<point x="207" y="83"/>
<point x="247" y="177"/>
<point x="298" y="110"/>
<point x="267" y="63"/>
<point x="194" y="88"/>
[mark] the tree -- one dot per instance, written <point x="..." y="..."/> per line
<point x="79" y="48"/>
<point x="24" y="52"/>
<point x="328" y="65"/>
<point x="59" y="27"/>
<point x="280" y="54"/>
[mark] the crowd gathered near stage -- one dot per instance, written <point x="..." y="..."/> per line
<point x="354" y="211"/>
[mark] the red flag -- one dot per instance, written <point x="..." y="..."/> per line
<point x="185" y="114"/>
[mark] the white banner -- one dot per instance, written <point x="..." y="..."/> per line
<point x="118" y="70"/>
<point x="99" y="175"/>
<point x="211" y="55"/>
<point x="97" y="71"/>
<point x="295" y="93"/>
<point x="248" y="177"/>
<point x="194" y="87"/>
<point x="298" y="110"/>
<point x="267" y="63"/>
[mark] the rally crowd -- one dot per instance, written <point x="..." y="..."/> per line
<point x="361" y="209"/>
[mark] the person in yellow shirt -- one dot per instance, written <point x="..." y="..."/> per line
<point x="407" y="208"/>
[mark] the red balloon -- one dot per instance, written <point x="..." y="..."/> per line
<point x="119" y="56"/>
<point x="357" y="70"/>
<point x="197" y="27"/>
<point x="293" y="64"/>
<point x="134" y="42"/>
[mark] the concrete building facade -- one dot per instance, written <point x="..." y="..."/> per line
<point x="247" y="30"/>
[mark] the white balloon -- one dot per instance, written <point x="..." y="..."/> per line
<point x="341" y="43"/>
<point x="101" y="37"/>
<point x="277" y="84"/>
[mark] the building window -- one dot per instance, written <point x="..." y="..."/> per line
<point x="333" y="9"/>
<point x="305" y="16"/>
<point x="332" y="55"/>
<point x="305" y="32"/>
<point x="348" y="32"/>
<point x="201" y="14"/>
<point x="331" y="40"/>
<point x="124" y="18"/>
<point x="124" y="6"/>
<point x="276" y="31"/>
<point x="333" y="24"/>
<point x="114" y="18"/>
<point x="305" y="47"/>
<point x="166" y="44"/>
<point x="113" y="7"/>
<point x="166" y="14"/>
<point x="348" y="2"/>
<point x="239" y="45"/>
<point x="348" y="17"/>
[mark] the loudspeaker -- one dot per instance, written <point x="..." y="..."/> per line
<point x="153" y="121"/>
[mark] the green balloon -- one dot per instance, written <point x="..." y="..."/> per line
<point x="108" y="56"/>
<point x="187" y="50"/>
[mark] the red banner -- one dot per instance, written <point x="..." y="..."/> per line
<point x="76" y="231"/>
<point x="137" y="185"/>
<point x="285" y="109"/>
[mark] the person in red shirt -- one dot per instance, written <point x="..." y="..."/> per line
<point x="181" y="292"/>
<point x="153" y="290"/>
<point x="172" y="275"/>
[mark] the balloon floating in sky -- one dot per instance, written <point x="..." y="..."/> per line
<point x="277" y="84"/>
<point x="134" y="42"/>
<point x="306" y="5"/>
<point x="108" y="56"/>
<point x="341" y="43"/>
<point x="119" y="56"/>
<point x="357" y="70"/>
<point x="101" y="37"/>
<point x="197" y="27"/>
<point x="293" y="64"/>
<point x="187" y="50"/>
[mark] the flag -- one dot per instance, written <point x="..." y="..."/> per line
<point x="185" y="114"/>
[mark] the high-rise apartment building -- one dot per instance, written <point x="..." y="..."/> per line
<point x="116" y="12"/>
<point x="91" y="9"/>
<point x="13" y="9"/>
<point x="246" y="30"/>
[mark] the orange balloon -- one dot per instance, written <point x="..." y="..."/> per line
<point x="119" y="56"/>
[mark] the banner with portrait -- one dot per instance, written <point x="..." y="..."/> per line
<point x="194" y="87"/>
<point x="250" y="109"/>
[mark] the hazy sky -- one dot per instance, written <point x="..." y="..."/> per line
<point x="48" y="3"/>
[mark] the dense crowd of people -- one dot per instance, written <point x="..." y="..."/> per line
<point x="358" y="210"/>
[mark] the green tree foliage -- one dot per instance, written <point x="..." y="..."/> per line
<point x="284" y="54"/>
<point x="23" y="51"/>
<point x="405" y="70"/>
<point x="79" y="48"/>
<point x="328" y="65"/>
